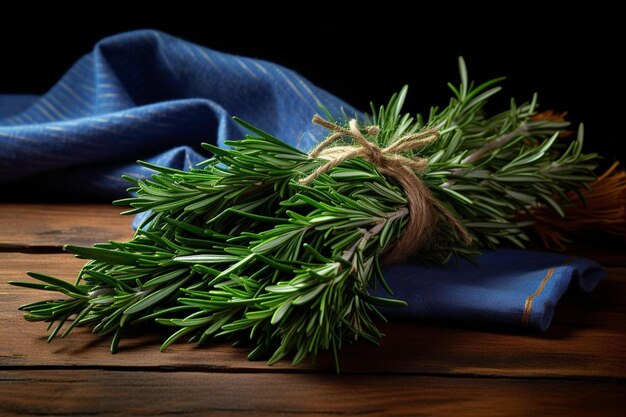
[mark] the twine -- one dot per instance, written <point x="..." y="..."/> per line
<point x="424" y="210"/>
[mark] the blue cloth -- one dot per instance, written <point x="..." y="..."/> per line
<point x="147" y="95"/>
<point x="508" y="287"/>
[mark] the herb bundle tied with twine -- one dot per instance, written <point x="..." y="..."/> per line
<point x="280" y="250"/>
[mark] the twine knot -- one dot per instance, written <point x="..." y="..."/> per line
<point x="424" y="210"/>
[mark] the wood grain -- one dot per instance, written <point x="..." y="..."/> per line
<point x="586" y="339"/>
<point x="577" y="368"/>
<point x="123" y="393"/>
<point x="47" y="227"/>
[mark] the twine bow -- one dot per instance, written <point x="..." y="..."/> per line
<point x="424" y="210"/>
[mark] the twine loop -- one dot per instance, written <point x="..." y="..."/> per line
<point x="424" y="210"/>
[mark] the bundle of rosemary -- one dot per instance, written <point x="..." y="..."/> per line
<point x="268" y="245"/>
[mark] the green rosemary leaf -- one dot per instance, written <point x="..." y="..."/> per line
<point x="305" y="298"/>
<point x="207" y="259"/>
<point x="55" y="282"/>
<point x="174" y="337"/>
<point x="165" y="277"/>
<point x="104" y="255"/>
<point x="153" y="298"/>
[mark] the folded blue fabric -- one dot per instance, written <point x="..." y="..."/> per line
<point x="508" y="287"/>
<point x="146" y="95"/>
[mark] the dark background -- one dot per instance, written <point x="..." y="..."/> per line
<point x="364" y="51"/>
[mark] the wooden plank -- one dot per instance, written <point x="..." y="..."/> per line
<point x="123" y="393"/>
<point x="586" y="340"/>
<point x="48" y="227"/>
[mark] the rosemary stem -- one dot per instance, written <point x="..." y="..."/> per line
<point x="489" y="146"/>
<point x="368" y="234"/>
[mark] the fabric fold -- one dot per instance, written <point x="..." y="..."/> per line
<point x="141" y="94"/>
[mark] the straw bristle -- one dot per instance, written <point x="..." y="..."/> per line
<point x="603" y="209"/>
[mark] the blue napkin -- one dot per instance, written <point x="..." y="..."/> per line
<point x="507" y="287"/>
<point x="146" y="95"/>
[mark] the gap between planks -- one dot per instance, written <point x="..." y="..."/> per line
<point x="195" y="394"/>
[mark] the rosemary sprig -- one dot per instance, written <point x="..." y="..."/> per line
<point x="238" y="248"/>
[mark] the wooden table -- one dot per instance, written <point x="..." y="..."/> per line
<point x="576" y="368"/>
